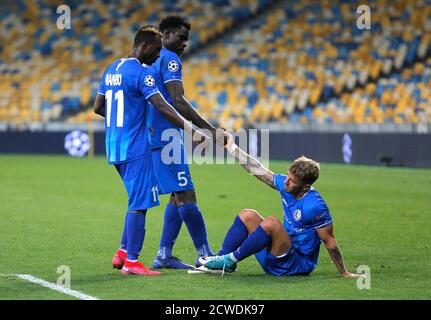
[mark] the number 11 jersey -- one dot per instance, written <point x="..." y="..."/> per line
<point x="127" y="86"/>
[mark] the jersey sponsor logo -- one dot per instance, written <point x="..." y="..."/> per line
<point x="149" y="81"/>
<point x="173" y="66"/>
<point x="113" y="79"/>
<point x="297" y="215"/>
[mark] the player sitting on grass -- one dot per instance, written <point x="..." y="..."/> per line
<point x="123" y="99"/>
<point x="281" y="249"/>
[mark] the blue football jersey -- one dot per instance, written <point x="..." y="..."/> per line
<point x="166" y="68"/>
<point x="302" y="217"/>
<point x="127" y="85"/>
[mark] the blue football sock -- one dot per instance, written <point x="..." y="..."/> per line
<point x="135" y="234"/>
<point x="234" y="237"/>
<point x="195" y="223"/>
<point x="123" y="244"/>
<point x="255" y="242"/>
<point x="171" y="228"/>
<point x="204" y="250"/>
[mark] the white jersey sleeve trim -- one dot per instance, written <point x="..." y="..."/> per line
<point x="102" y="94"/>
<point x="282" y="255"/>
<point x="119" y="65"/>
<point x="152" y="94"/>
<point x="323" y="225"/>
<point x="170" y="80"/>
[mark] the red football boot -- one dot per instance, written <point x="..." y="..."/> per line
<point x="119" y="259"/>
<point x="137" y="268"/>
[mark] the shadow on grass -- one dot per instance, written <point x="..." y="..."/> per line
<point x="177" y="275"/>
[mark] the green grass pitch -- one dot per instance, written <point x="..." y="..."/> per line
<point x="62" y="211"/>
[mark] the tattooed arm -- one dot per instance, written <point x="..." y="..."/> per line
<point x="249" y="163"/>
<point x="326" y="234"/>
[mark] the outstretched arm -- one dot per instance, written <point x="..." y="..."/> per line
<point x="161" y="105"/>
<point x="170" y="113"/>
<point x="326" y="234"/>
<point x="249" y="163"/>
<point x="184" y="107"/>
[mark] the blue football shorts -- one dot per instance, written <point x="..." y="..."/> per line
<point x="174" y="176"/>
<point x="140" y="183"/>
<point x="292" y="263"/>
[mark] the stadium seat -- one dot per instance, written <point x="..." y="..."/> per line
<point x="293" y="62"/>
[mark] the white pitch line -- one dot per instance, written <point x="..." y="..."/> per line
<point x="52" y="286"/>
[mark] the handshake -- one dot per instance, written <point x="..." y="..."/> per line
<point x="220" y="136"/>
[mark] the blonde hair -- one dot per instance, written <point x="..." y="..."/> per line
<point x="152" y="29"/>
<point x="146" y="34"/>
<point x="305" y="169"/>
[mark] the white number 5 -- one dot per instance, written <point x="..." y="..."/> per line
<point x="182" y="180"/>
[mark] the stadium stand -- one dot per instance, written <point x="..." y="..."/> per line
<point x="302" y="62"/>
<point x="286" y="65"/>
<point x="47" y="73"/>
<point x="404" y="97"/>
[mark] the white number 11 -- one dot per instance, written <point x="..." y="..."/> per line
<point x="119" y="96"/>
<point x="155" y="192"/>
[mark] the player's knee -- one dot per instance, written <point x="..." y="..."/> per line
<point x="248" y="215"/>
<point x="271" y="224"/>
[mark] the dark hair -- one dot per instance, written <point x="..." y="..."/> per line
<point x="174" y="22"/>
<point x="146" y="34"/>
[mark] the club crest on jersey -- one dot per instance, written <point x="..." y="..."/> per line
<point x="297" y="215"/>
<point x="149" y="81"/>
<point x="173" y="66"/>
